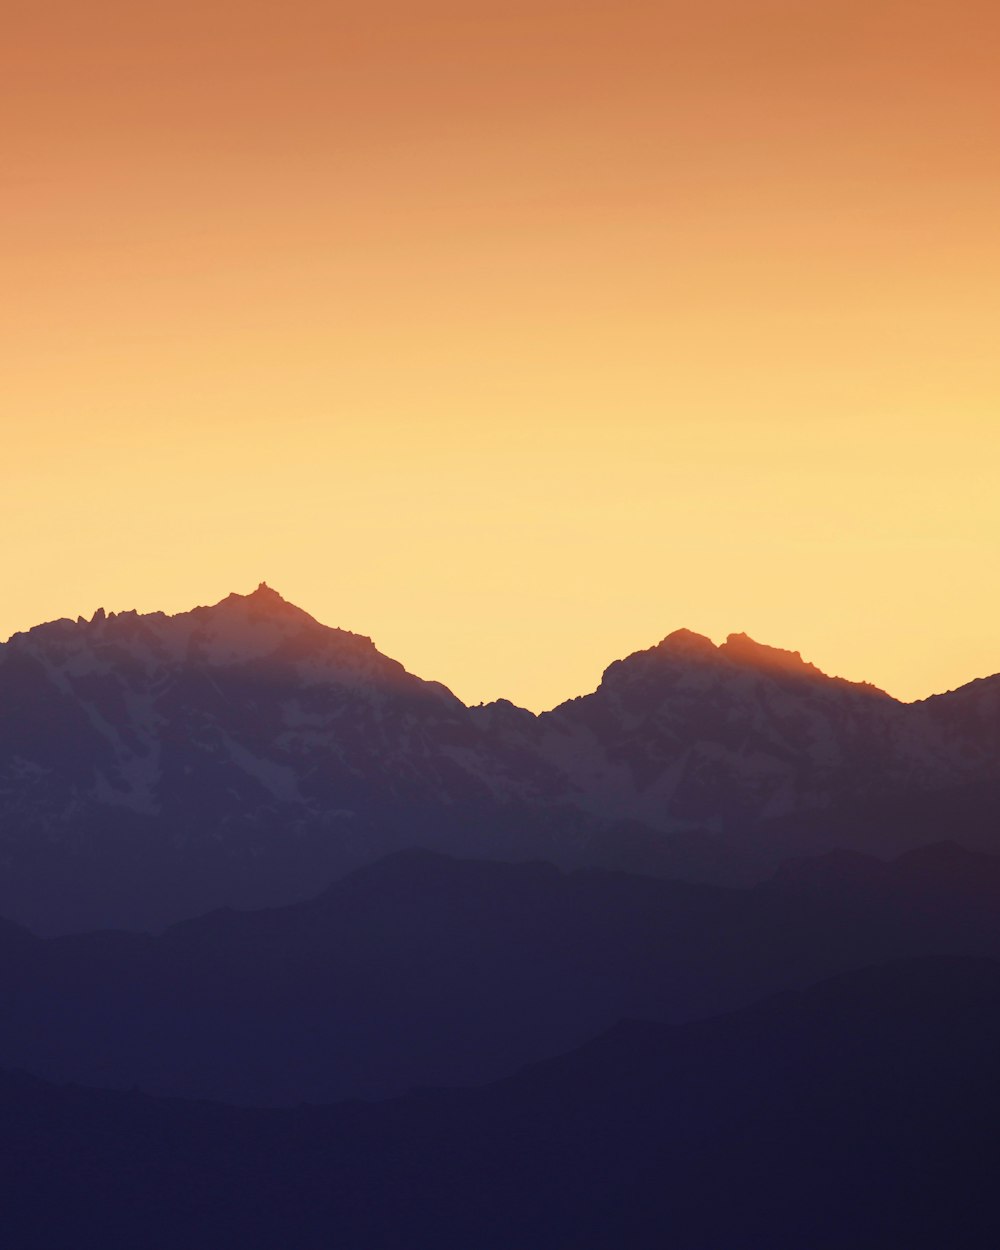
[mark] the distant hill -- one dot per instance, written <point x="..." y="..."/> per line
<point x="153" y="767"/>
<point x="425" y="970"/>
<point x="860" y="1113"/>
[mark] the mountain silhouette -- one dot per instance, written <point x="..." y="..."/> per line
<point x="426" y="970"/>
<point x="153" y="767"/>
<point x="859" y="1113"/>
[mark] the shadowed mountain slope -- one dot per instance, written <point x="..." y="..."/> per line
<point x="732" y="737"/>
<point x="154" y="767"/>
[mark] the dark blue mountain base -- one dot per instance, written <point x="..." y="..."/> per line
<point x="859" y="1115"/>
<point x="424" y="970"/>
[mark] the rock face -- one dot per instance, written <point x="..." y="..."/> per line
<point x="719" y="737"/>
<point x="152" y="767"/>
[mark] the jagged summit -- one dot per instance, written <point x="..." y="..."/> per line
<point x="259" y="627"/>
<point x="265" y="596"/>
<point x="264" y="599"/>
<point x="685" y="642"/>
<point x="738" y="649"/>
<point x="684" y="650"/>
<point x="743" y="647"/>
<point x="744" y="650"/>
<point x="262" y="604"/>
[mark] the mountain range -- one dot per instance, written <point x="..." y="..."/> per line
<point x="300" y="950"/>
<point x="155" y="767"/>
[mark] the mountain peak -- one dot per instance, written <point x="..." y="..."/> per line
<point x="264" y="594"/>
<point x="746" y="650"/>
<point x="264" y="598"/>
<point x="261" y="611"/>
<point x="686" y="642"/>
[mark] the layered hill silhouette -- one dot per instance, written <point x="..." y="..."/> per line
<point x="424" y="970"/>
<point x="342" y="875"/>
<point x="154" y="767"/>
<point x="860" y="1113"/>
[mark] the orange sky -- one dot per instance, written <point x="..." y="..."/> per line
<point x="514" y="335"/>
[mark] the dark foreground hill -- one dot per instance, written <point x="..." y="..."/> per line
<point x="858" y="1115"/>
<point x="425" y="970"/>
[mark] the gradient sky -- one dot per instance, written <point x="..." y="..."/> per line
<point x="514" y="335"/>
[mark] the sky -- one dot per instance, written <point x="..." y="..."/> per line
<point x="513" y="335"/>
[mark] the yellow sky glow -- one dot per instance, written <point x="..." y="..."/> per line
<point x="513" y="335"/>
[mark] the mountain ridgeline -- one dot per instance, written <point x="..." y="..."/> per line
<point x="155" y="767"/>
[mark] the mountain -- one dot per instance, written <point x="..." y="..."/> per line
<point x="859" y="1113"/>
<point x="154" y="767"/>
<point x="743" y="755"/>
<point x="426" y="970"/>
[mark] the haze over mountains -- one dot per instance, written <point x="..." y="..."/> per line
<point x="859" y="1113"/>
<point x="423" y="970"/>
<point x="154" y="767"/>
